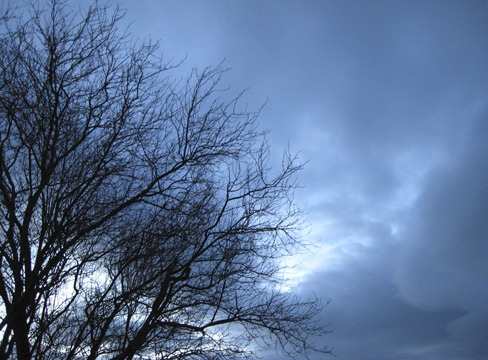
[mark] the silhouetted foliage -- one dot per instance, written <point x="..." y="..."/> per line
<point x="139" y="218"/>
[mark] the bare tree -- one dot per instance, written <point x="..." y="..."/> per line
<point x="139" y="218"/>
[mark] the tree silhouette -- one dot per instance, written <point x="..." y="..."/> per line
<point x="139" y="218"/>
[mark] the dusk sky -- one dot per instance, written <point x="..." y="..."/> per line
<point x="388" y="103"/>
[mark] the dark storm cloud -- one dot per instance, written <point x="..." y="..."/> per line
<point x="369" y="320"/>
<point x="443" y="263"/>
<point x="388" y="100"/>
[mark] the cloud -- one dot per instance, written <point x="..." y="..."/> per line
<point x="442" y="263"/>
<point x="368" y="318"/>
<point x="387" y="101"/>
<point x="443" y="256"/>
<point x="419" y="290"/>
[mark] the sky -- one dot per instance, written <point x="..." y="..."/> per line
<point x="388" y="103"/>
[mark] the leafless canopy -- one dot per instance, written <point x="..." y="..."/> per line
<point x="138" y="216"/>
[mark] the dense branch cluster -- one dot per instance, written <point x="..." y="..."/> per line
<point x="138" y="216"/>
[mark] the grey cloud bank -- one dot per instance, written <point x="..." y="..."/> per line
<point x="389" y="102"/>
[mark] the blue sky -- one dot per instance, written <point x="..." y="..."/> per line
<point x="388" y="102"/>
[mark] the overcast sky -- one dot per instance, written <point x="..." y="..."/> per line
<point x="388" y="100"/>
